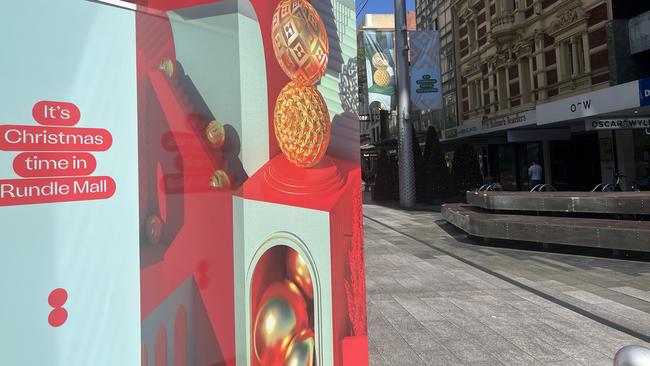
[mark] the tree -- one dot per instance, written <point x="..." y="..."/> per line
<point x="466" y="171"/>
<point x="435" y="172"/>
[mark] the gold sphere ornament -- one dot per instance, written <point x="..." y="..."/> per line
<point x="380" y="60"/>
<point x="302" y="124"/>
<point x="220" y="180"/>
<point x="301" y="349"/>
<point x="298" y="272"/>
<point x="167" y="67"/>
<point x="283" y="312"/>
<point x="300" y="41"/>
<point x="381" y="77"/>
<point x="215" y="133"/>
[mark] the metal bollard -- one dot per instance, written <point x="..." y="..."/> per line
<point x="632" y="356"/>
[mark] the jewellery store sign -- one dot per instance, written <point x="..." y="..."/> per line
<point x="510" y="121"/>
<point x="617" y="124"/>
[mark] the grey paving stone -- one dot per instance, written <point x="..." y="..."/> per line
<point x="429" y="308"/>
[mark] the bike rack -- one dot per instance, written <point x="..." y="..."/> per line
<point x="494" y="187"/>
<point x="482" y="188"/>
<point x="540" y="187"/>
<point x="599" y="187"/>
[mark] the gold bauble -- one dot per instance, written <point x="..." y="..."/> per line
<point x="282" y="313"/>
<point x="301" y="349"/>
<point x="300" y="41"/>
<point x="302" y="124"/>
<point x="381" y="77"/>
<point x="215" y="133"/>
<point x="298" y="272"/>
<point x="380" y="60"/>
<point x="220" y="180"/>
<point x="167" y="67"/>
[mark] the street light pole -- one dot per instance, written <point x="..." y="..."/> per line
<point x="407" y="197"/>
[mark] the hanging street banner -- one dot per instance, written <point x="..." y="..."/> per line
<point x="379" y="50"/>
<point x="426" y="89"/>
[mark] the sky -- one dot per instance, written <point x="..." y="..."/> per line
<point x="380" y="6"/>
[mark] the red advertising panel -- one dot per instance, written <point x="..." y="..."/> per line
<point x="193" y="164"/>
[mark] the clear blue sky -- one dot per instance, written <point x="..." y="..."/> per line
<point x="381" y="6"/>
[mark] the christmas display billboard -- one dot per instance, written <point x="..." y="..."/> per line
<point x="181" y="184"/>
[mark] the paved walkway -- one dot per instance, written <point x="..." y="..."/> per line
<point x="426" y="307"/>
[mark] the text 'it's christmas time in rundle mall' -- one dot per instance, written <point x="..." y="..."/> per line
<point x="54" y="161"/>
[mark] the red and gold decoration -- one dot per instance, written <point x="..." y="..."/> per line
<point x="215" y="133"/>
<point x="302" y="121"/>
<point x="220" y="180"/>
<point x="298" y="272"/>
<point x="300" y="41"/>
<point x="283" y="332"/>
<point x="282" y="314"/>
<point x="302" y="124"/>
<point x="301" y="349"/>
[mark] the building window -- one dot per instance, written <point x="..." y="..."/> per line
<point x="471" y="30"/>
<point x="502" y="89"/>
<point x="572" y="57"/>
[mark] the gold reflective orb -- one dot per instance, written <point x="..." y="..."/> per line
<point x="220" y="180"/>
<point x="275" y="324"/>
<point x="301" y="349"/>
<point x="153" y="229"/>
<point x="215" y="133"/>
<point x="298" y="272"/>
<point x="381" y="77"/>
<point x="300" y="41"/>
<point x="167" y="67"/>
<point x="302" y="124"/>
<point x="380" y="60"/>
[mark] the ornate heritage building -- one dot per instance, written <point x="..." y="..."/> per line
<point x="514" y="54"/>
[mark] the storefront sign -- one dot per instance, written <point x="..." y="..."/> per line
<point x="644" y="91"/>
<point x="612" y="99"/>
<point x="510" y="121"/>
<point x="450" y="133"/>
<point x="468" y="129"/>
<point x="617" y="124"/>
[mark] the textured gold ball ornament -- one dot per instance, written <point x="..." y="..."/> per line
<point x="301" y="349"/>
<point x="381" y="77"/>
<point x="220" y="180"/>
<point x="300" y="41"/>
<point x="380" y="60"/>
<point x="298" y="272"/>
<point x="302" y="124"/>
<point x="167" y="67"/>
<point x="215" y="133"/>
